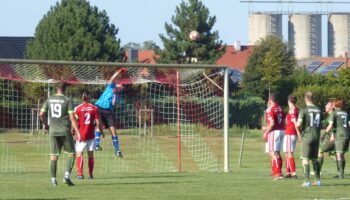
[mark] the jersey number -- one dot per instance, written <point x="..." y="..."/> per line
<point x="345" y="120"/>
<point x="315" y="121"/>
<point x="56" y="110"/>
<point x="279" y="118"/>
<point x="87" y="118"/>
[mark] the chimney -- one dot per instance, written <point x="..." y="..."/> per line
<point x="237" y="45"/>
<point x="133" y="56"/>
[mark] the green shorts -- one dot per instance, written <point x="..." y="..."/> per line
<point x="341" y="145"/>
<point x="57" y="142"/>
<point x="326" y="145"/>
<point x="309" y="149"/>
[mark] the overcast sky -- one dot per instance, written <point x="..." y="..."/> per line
<point x="141" y="20"/>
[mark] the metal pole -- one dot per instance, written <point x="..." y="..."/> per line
<point x="178" y="120"/>
<point x="226" y="125"/>
<point x="241" y="149"/>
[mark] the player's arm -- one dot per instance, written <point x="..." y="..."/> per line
<point x="115" y="75"/>
<point x="114" y="101"/>
<point x="330" y="123"/>
<point x="295" y="121"/>
<point x="42" y="115"/>
<point x="74" y="125"/>
<point x="271" y="124"/>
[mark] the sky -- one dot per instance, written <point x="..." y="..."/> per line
<point x="141" y="20"/>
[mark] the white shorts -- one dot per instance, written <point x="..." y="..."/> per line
<point x="275" y="141"/>
<point x="89" y="144"/>
<point x="289" y="142"/>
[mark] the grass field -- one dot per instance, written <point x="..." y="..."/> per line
<point x="250" y="181"/>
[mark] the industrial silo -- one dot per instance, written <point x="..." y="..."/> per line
<point x="338" y="34"/>
<point x="262" y="25"/>
<point x="305" y="34"/>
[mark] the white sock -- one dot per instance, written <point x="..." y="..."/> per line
<point x="66" y="175"/>
<point x="53" y="178"/>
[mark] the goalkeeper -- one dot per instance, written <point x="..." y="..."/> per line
<point x="106" y="107"/>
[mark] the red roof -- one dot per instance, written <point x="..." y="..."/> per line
<point x="328" y="60"/>
<point x="232" y="58"/>
<point x="147" y="56"/>
<point x="236" y="59"/>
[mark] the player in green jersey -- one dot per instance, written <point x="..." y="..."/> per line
<point x="60" y="118"/>
<point x="326" y="145"/>
<point x="309" y="123"/>
<point x="339" y="119"/>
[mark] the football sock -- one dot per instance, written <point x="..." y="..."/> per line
<point x="91" y="166"/>
<point x="70" y="163"/>
<point x="273" y="168"/>
<point x="317" y="168"/>
<point x="306" y="172"/>
<point x="287" y="164"/>
<point x="337" y="165"/>
<point x="320" y="160"/>
<point x="53" y="168"/>
<point x="343" y="164"/>
<point x="341" y="169"/>
<point x="292" y="165"/>
<point x="80" y="165"/>
<point x="97" y="138"/>
<point x="279" y="163"/>
<point x="115" y="143"/>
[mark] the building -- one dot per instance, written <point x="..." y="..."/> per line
<point x="13" y="47"/>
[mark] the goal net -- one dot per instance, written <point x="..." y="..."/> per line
<point x="169" y="117"/>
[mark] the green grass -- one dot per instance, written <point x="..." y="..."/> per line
<point x="250" y="181"/>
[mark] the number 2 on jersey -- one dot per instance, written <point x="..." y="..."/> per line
<point x="87" y="118"/>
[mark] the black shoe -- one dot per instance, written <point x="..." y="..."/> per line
<point x="91" y="177"/>
<point x="98" y="148"/>
<point x="119" y="154"/>
<point x="54" y="182"/>
<point x="288" y="176"/>
<point x="294" y="176"/>
<point x="80" y="177"/>
<point x="339" y="176"/>
<point x="68" y="181"/>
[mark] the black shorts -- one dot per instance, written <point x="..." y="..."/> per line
<point x="107" y="117"/>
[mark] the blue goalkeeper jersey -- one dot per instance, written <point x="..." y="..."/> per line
<point x="106" y="99"/>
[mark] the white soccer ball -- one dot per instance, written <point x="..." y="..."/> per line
<point x="194" y="35"/>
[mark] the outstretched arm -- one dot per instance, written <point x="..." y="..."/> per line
<point x="114" y="76"/>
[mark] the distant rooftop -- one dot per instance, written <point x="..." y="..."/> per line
<point x="13" y="47"/>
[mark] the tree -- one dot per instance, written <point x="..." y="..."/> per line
<point x="74" y="30"/>
<point x="270" y="64"/>
<point x="178" y="48"/>
<point x="150" y="45"/>
<point x="132" y="45"/>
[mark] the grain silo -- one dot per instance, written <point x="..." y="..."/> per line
<point x="262" y="25"/>
<point x="338" y="34"/>
<point x="305" y="34"/>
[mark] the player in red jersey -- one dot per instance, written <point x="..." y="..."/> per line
<point x="87" y="114"/>
<point x="274" y="134"/>
<point x="290" y="137"/>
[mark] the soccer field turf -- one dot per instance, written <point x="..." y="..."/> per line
<point x="251" y="181"/>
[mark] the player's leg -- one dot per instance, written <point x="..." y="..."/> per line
<point x="341" y="148"/>
<point x="291" y="161"/>
<point x="79" y="148"/>
<point x="269" y="148"/>
<point x="277" y="148"/>
<point x="316" y="165"/>
<point x="56" y="146"/>
<point x="305" y="155"/>
<point x="112" y="124"/>
<point x="69" y="149"/>
<point x="286" y="151"/>
<point x="91" y="161"/>
<point x="98" y="131"/>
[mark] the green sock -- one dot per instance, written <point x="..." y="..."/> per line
<point x="53" y="168"/>
<point x="306" y="172"/>
<point x="337" y="162"/>
<point x="340" y="167"/>
<point x="317" y="169"/>
<point x="320" y="160"/>
<point x="70" y="164"/>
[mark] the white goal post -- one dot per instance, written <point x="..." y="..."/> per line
<point x="185" y="107"/>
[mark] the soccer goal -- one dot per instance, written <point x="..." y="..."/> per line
<point x="170" y="117"/>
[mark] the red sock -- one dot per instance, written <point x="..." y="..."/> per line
<point x="292" y="165"/>
<point x="279" y="163"/>
<point x="273" y="167"/>
<point x="80" y="163"/>
<point x="287" y="165"/>
<point x="91" y="166"/>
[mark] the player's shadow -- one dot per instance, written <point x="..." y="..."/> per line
<point x="156" y="176"/>
<point x="145" y="183"/>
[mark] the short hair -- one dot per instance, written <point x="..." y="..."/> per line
<point x="272" y="97"/>
<point x="338" y="103"/>
<point x="61" y="85"/>
<point x="308" y="96"/>
<point x="85" y="96"/>
<point x="331" y="100"/>
<point x="292" y="99"/>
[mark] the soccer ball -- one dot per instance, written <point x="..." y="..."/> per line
<point x="194" y="35"/>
